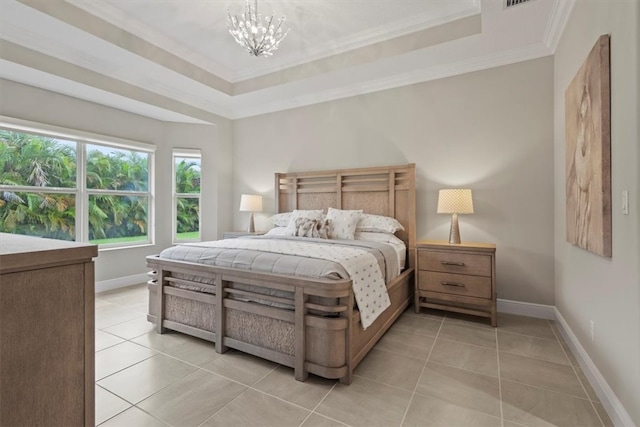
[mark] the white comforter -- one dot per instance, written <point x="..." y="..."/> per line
<point x="368" y="282"/>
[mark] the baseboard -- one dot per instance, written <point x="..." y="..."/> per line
<point x="619" y="416"/>
<point x="121" y="282"/>
<point x="528" y="309"/>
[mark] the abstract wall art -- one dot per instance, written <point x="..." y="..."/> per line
<point x="588" y="152"/>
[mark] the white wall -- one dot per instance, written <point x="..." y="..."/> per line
<point x="589" y="287"/>
<point x="37" y="105"/>
<point x="491" y="131"/>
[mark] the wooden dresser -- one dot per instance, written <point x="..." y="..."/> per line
<point x="46" y="332"/>
<point x="457" y="277"/>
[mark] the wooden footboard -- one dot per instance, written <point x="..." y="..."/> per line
<point x="320" y="333"/>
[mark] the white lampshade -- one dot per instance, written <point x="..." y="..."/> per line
<point x="456" y="200"/>
<point x="250" y="203"/>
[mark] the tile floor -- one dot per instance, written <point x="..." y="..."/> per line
<point x="431" y="369"/>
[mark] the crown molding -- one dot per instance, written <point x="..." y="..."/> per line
<point x="498" y="59"/>
<point x="556" y="23"/>
<point x="359" y="40"/>
<point x="121" y="20"/>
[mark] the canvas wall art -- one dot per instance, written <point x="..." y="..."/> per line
<point x="588" y="153"/>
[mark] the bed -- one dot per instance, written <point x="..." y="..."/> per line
<point x="310" y="324"/>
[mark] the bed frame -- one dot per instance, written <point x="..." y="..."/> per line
<point x="322" y="334"/>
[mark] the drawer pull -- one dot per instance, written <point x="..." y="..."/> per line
<point x="457" y="285"/>
<point x="459" y="264"/>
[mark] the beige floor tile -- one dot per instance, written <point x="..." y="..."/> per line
<point x="465" y="356"/>
<point x="365" y="403"/>
<point x="253" y="408"/>
<point x="390" y="368"/>
<point x="316" y="420"/>
<point x="572" y="358"/>
<point x="184" y="347"/>
<point x="121" y="356"/>
<point x="468" y="334"/>
<point x="108" y="405"/>
<point x="538" y="348"/>
<point x="468" y="389"/>
<point x="430" y="411"/>
<point x="133" y="417"/>
<point x="429" y="313"/>
<point x="106" y="340"/>
<point x="540" y="373"/>
<point x="533" y="406"/>
<point x="606" y="420"/>
<point x="469" y="320"/>
<point x="110" y="315"/>
<point x="511" y="424"/>
<point x="132" y="328"/>
<point x="125" y="296"/>
<point x="281" y="383"/>
<point x="555" y="327"/>
<point x="192" y="400"/>
<point x="422" y="325"/>
<point x="145" y="378"/>
<point x="525" y="326"/>
<point x="241" y="367"/>
<point x="413" y="345"/>
<point x="587" y="385"/>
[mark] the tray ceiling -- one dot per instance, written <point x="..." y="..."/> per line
<point x="174" y="60"/>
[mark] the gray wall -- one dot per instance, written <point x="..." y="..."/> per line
<point x="589" y="287"/>
<point x="29" y="103"/>
<point x="491" y="131"/>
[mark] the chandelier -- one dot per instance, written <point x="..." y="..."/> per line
<point x="250" y="33"/>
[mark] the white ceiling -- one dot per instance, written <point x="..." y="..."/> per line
<point x="175" y="60"/>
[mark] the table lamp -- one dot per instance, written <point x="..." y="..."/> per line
<point x="455" y="201"/>
<point x="250" y="203"/>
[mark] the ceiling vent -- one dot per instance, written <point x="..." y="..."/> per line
<point x="511" y="3"/>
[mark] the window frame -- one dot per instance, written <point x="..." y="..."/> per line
<point x="188" y="153"/>
<point x="81" y="192"/>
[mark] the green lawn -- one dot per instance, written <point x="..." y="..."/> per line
<point x="189" y="235"/>
<point x="181" y="236"/>
<point x="118" y="240"/>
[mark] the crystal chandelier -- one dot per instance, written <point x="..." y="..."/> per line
<point x="250" y="33"/>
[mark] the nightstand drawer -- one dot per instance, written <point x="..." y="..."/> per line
<point x="457" y="284"/>
<point x="449" y="262"/>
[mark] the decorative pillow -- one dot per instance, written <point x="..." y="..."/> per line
<point x="307" y="227"/>
<point x="312" y="214"/>
<point x="378" y="224"/>
<point x="342" y="223"/>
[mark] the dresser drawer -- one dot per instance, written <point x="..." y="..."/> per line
<point x="450" y="262"/>
<point x="456" y="284"/>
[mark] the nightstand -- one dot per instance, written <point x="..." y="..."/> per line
<point x="456" y="277"/>
<point x="234" y="234"/>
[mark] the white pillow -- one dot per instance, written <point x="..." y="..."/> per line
<point x="277" y="231"/>
<point x="311" y="214"/>
<point x="342" y="223"/>
<point x="281" y="219"/>
<point x="378" y="224"/>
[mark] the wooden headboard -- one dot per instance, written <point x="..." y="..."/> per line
<point x="387" y="190"/>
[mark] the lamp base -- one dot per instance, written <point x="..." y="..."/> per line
<point x="454" y="231"/>
<point x="252" y="228"/>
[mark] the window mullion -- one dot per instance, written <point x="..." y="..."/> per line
<point x="82" y="199"/>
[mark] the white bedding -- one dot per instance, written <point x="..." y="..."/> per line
<point x="368" y="282"/>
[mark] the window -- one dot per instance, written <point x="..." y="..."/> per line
<point x="186" y="195"/>
<point x="67" y="186"/>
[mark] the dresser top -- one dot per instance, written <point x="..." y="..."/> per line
<point x="18" y="251"/>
